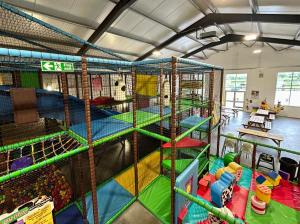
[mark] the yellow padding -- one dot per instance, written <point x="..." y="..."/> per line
<point x="148" y="170"/>
<point x="146" y="85"/>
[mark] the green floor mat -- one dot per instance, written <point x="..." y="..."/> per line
<point x="276" y="214"/>
<point x="202" y="163"/>
<point x="157" y="198"/>
<point x="141" y="117"/>
<point x="180" y="164"/>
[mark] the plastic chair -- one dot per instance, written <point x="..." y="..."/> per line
<point x="229" y="143"/>
<point x="247" y="149"/>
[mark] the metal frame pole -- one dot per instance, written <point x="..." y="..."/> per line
<point x="85" y="89"/>
<point x="135" y="134"/>
<point x="221" y="100"/>
<point x="173" y="136"/>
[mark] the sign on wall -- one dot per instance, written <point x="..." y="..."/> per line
<point x="57" y="66"/>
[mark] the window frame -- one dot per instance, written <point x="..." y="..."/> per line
<point x="236" y="89"/>
<point x="290" y="89"/>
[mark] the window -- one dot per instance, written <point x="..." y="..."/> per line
<point x="288" y="88"/>
<point x="235" y="87"/>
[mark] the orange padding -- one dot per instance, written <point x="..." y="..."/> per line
<point x="148" y="170"/>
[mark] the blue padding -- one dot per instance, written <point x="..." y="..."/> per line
<point x="196" y="213"/>
<point x="71" y="215"/>
<point x="112" y="197"/>
<point x="50" y="105"/>
<point x="189" y="174"/>
<point x="191" y="121"/>
<point x="156" y="110"/>
<point x="101" y="128"/>
<point x="217" y="164"/>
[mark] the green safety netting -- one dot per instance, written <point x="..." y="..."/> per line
<point x="180" y="164"/>
<point x="141" y="117"/>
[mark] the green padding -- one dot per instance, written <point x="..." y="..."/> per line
<point x="180" y="164"/>
<point x="202" y="163"/>
<point x="29" y="80"/>
<point x="141" y="117"/>
<point x="246" y="178"/>
<point x="157" y="198"/>
<point x="276" y="213"/>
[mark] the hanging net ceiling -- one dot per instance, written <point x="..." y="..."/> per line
<point x="19" y="30"/>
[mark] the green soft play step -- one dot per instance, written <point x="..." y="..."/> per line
<point x="276" y="213"/>
<point x="141" y="117"/>
<point x="180" y="164"/>
<point x="157" y="198"/>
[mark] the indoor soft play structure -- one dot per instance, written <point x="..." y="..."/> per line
<point x="174" y="101"/>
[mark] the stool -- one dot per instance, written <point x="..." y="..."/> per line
<point x="266" y="158"/>
<point x="229" y="143"/>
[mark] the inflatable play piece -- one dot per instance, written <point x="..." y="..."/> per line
<point x="233" y="168"/>
<point x="258" y="206"/>
<point x="263" y="180"/>
<point x="231" y="157"/>
<point x="221" y="190"/>
<point x="263" y="193"/>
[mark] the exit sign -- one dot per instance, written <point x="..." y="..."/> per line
<point x="57" y="66"/>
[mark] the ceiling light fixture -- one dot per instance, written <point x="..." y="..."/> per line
<point x="257" y="51"/>
<point x="250" y="37"/>
<point x="156" y="53"/>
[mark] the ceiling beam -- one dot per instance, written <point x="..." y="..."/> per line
<point x="119" y="8"/>
<point x="239" y="38"/>
<point x="225" y="18"/>
<point x="255" y="9"/>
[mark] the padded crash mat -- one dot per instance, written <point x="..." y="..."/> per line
<point x="157" y="198"/>
<point x="112" y="197"/>
<point x="191" y="121"/>
<point x="148" y="170"/>
<point x="71" y="215"/>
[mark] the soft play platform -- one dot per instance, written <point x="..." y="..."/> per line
<point x="112" y="197"/>
<point x="141" y="117"/>
<point x="101" y="128"/>
<point x="191" y="121"/>
<point x="156" y="110"/>
<point x="69" y="215"/>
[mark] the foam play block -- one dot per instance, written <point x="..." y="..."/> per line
<point x="258" y="206"/>
<point x="284" y="175"/>
<point x="263" y="193"/>
<point x="274" y="178"/>
<point x="260" y="179"/>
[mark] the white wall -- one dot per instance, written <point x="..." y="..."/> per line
<point x="240" y="59"/>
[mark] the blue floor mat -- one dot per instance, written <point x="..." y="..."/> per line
<point x="156" y="110"/>
<point x="71" y="215"/>
<point x="101" y="128"/>
<point x="112" y="197"/>
<point x="191" y="121"/>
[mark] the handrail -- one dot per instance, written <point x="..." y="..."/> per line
<point x="208" y="207"/>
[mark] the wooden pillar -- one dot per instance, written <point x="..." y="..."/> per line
<point x="85" y="89"/>
<point x="77" y="85"/>
<point x="16" y="79"/>
<point x="109" y="85"/>
<point x="40" y="75"/>
<point x="254" y="157"/>
<point x="59" y="82"/>
<point x="161" y="103"/>
<point x="81" y="187"/>
<point x="210" y="105"/>
<point x="135" y="134"/>
<point x="91" y="86"/>
<point x="221" y="100"/>
<point x="64" y="84"/>
<point x="173" y="136"/>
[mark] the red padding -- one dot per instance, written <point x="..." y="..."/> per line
<point x="287" y="194"/>
<point x="186" y="143"/>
